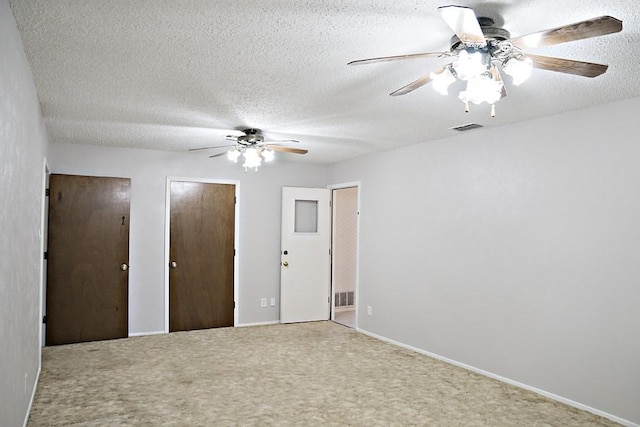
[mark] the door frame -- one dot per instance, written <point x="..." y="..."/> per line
<point x="236" y="240"/>
<point x="43" y="234"/>
<point x="358" y="185"/>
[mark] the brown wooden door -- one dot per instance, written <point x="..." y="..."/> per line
<point x="201" y="253"/>
<point x="88" y="257"/>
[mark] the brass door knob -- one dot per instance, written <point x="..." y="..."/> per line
<point x="124" y="267"/>
<point x="174" y="264"/>
<point x="285" y="264"/>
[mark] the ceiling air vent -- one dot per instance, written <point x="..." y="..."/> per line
<point x="466" y="127"/>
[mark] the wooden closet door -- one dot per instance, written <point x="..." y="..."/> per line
<point x="201" y="255"/>
<point x="88" y="257"/>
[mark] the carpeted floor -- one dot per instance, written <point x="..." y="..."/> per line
<point x="293" y="375"/>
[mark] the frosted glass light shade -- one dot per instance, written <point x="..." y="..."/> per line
<point x="268" y="154"/>
<point x="251" y="158"/>
<point x="441" y="81"/>
<point x="233" y="155"/>
<point x="518" y="69"/>
<point x="482" y="89"/>
<point x="470" y="65"/>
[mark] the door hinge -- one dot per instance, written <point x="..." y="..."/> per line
<point x="235" y="200"/>
<point x="46" y="192"/>
<point x="46" y="255"/>
<point x="234" y="305"/>
<point x="234" y="252"/>
<point x="44" y="319"/>
<point x="330" y="203"/>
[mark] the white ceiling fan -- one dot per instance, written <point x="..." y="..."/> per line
<point x="252" y="146"/>
<point x="480" y="51"/>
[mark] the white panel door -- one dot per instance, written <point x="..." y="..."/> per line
<point x="305" y="270"/>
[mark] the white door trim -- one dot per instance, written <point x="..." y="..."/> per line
<point x="236" y="239"/>
<point x="332" y="187"/>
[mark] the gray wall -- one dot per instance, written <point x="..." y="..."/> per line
<point x="259" y="199"/>
<point x="513" y="250"/>
<point x="23" y="144"/>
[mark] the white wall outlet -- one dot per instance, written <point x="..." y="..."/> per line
<point x="263" y="302"/>
<point x="369" y="312"/>
<point x="273" y="302"/>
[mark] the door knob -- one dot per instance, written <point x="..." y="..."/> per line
<point x="124" y="267"/>
<point x="285" y="263"/>
<point x="174" y="264"/>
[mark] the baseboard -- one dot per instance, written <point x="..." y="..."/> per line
<point x="33" y="396"/>
<point x="140" y="334"/>
<point x="270" y="322"/>
<point x="504" y="379"/>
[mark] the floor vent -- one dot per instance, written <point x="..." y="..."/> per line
<point x="466" y="127"/>
<point x="344" y="299"/>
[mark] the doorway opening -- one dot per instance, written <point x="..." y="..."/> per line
<point x="344" y="255"/>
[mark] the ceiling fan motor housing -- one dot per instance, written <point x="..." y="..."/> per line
<point x="490" y="32"/>
<point x="251" y="137"/>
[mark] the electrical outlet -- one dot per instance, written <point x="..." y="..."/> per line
<point x="273" y="302"/>
<point x="263" y="302"/>
<point x="369" y="312"/>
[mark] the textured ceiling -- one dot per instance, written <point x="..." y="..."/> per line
<point x="179" y="74"/>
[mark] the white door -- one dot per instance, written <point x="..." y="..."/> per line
<point x="305" y="282"/>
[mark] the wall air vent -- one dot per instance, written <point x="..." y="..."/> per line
<point x="466" y="127"/>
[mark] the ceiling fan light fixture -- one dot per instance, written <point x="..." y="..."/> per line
<point x="233" y="155"/>
<point x="442" y="80"/>
<point x="519" y="69"/>
<point x="470" y="65"/>
<point x="252" y="159"/>
<point x="481" y="89"/>
<point x="268" y="154"/>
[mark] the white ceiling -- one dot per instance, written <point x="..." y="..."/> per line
<point x="174" y="75"/>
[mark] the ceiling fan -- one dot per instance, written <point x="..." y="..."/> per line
<point x="478" y="52"/>
<point x="252" y="146"/>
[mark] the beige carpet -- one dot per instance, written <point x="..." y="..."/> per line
<point x="302" y="374"/>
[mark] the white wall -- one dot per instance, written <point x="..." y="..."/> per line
<point x="513" y="250"/>
<point x="259" y="201"/>
<point x="23" y="144"/>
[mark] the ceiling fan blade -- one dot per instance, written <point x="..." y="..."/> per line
<point x="210" y="148"/>
<point x="463" y="21"/>
<point x="217" y="155"/>
<point x="415" y="84"/>
<point x="568" y="66"/>
<point x="282" y="141"/>
<point x="288" y="149"/>
<point x="580" y="30"/>
<point x="398" y="57"/>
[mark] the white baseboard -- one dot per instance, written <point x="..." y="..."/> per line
<point x="140" y="334"/>
<point x="504" y="379"/>
<point x="270" y="322"/>
<point x="33" y="395"/>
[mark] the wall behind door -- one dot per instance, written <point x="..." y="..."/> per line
<point x="259" y="245"/>
<point x="345" y="237"/>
